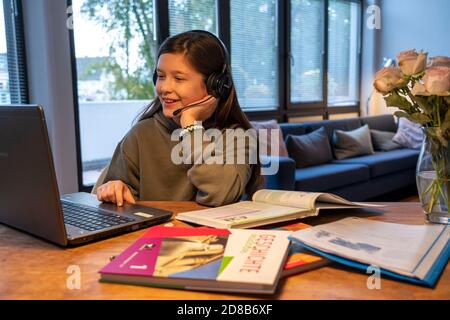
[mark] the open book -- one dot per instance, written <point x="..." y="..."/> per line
<point x="267" y="207"/>
<point x="416" y="253"/>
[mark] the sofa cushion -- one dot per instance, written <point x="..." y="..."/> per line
<point x="332" y="125"/>
<point x="330" y="176"/>
<point x="309" y="149"/>
<point x="271" y="125"/>
<point x="382" y="163"/>
<point x="352" y="143"/>
<point x="382" y="140"/>
<point x="409" y="134"/>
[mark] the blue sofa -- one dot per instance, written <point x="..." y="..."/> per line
<point x="359" y="178"/>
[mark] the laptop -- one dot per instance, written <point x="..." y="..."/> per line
<point x="29" y="196"/>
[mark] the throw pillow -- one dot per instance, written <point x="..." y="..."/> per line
<point x="310" y="149"/>
<point x="409" y="134"/>
<point x="271" y="124"/>
<point x="382" y="140"/>
<point x="353" y="143"/>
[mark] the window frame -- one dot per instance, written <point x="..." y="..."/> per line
<point x="321" y="108"/>
<point x="16" y="52"/>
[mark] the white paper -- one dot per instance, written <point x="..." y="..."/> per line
<point x="307" y="200"/>
<point x="396" y="247"/>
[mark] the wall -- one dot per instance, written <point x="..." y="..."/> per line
<point x="407" y="24"/>
<point x="50" y="82"/>
<point x="419" y="24"/>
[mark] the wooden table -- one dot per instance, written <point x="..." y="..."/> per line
<point x="34" y="269"/>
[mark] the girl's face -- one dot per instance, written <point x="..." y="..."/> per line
<point x="178" y="83"/>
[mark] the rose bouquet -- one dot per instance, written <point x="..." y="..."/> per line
<point x="420" y="89"/>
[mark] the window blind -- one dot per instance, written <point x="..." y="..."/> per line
<point x="254" y="52"/>
<point x="187" y="15"/>
<point x="15" y="53"/>
<point x="306" y="50"/>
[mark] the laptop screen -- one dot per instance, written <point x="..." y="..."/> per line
<point x="29" y="196"/>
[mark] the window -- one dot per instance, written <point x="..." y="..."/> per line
<point x="343" y="52"/>
<point x="316" y="54"/>
<point x="13" y="81"/>
<point x="115" y="47"/>
<point x="187" y="15"/>
<point x="288" y="58"/>
<point x="307" y="44"/>
<point x="254" y="52"/>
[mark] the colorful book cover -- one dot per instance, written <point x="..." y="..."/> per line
<point x="203" y="259"/>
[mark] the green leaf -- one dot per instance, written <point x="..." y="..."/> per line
<point x="446" y="122"/>
<point x="420" y="118"/>
<point x="424" y="104"/>
<point x="447" y="116"/>
<point x="395" y="100"/>
<point x="402" y="114"/>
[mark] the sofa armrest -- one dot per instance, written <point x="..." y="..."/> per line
<point x="283" y="178"/>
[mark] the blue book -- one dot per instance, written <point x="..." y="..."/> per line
<point x="414" y="253"/>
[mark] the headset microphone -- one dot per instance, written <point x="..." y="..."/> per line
<point x="178" y="111"/>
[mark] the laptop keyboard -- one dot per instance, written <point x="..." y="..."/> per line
<point x="90" y="218"/>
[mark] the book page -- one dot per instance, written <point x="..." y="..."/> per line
<point x="396" y="247"/>
<point x="307" y="200"/>
<point x="241" y="213"/>
<point x="324" y="200"/>
<point x="299" y="199"/>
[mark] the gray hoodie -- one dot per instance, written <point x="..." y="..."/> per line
<point x="143" y="161"/>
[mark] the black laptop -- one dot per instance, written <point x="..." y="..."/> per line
<point x="29" y="196"/>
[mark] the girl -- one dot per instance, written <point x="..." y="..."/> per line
<point x="193" y="85"/>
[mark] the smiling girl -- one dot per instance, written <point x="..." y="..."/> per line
<point x="195" y="91"/>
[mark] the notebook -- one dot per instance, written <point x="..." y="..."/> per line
<point x="29" y="196"/>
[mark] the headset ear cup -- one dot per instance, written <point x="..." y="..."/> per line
<point x="218" y="85"/>
<point x="155" y="77"/>
<point x="211" y="85"/>
<point x="223" y="85"/>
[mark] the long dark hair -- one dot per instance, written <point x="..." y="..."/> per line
<point x="206" y="55"/>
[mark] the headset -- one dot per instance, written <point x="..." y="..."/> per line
<point x="218" y="84"/>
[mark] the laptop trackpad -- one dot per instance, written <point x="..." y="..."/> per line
<point x="137" y="211"/>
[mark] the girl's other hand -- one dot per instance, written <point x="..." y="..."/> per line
<point x="201" y="112"/>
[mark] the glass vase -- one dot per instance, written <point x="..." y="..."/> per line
<point x="433" y="178"/>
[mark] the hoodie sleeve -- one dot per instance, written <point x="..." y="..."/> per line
<point x="220" y="170"/>
<point x="124" y="165"/>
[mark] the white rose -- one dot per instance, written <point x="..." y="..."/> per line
<point x="437" y="81"/>
<point x="412" y="62"/>
<point x="441" y="61"/>
<point x="387" y="79"/>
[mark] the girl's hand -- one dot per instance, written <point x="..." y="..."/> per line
<point x="199" y="112"/>
<point x="115" y="192"/>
